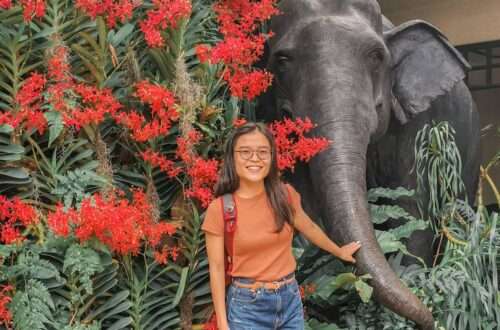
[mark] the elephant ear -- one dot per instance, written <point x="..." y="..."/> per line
<point x="425" y="66"/>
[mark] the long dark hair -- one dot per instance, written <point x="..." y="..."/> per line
<point x="229" y="181"/>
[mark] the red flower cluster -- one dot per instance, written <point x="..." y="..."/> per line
<point x="33" y="8"/>
<point x="14" y="216"/>
<point x="212" y="323"/>
<point x="242" y="46"/>
<point x="166" y="165"/>
<point x="5" y="4"/>
<point x="29" y="99"/>
<point x="63" y="94"/>
<point x="291" y="143"/>
<point x="61" y="82"/>
<point x="239" y="122"/>
<point x="121" y="225"/>
<point x="161" y="256"/>
<point x="166" y="13"/>
<point x="5" y="299"/>
<point x="162" y="104"/>
<point x="306" y="290"/>
<point x="202" y="173"/>
<point x="96" y="103"/>
<point x="58" y="65"/>
<point x="113" y="10"/>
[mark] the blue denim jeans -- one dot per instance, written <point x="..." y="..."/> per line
<point x="264" y="309"/>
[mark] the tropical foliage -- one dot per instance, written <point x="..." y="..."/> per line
<point x="113" y="117"/>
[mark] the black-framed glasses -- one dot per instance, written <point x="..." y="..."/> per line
<point x="247" y="154"/>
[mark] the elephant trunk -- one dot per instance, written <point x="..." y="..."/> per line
<point x="340" y="183"/>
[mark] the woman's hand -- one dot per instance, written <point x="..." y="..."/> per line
<point x="345" y="252"/>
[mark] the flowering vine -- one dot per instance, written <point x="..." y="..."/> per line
<point x="15" y="215"/>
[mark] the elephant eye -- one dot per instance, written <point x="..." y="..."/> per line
<point x="281" y="61"/>
<point x="376" y="58"/>
<point x="282" y="58"/>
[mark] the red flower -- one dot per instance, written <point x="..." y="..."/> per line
<point x="163" y="112"/>
<point x="121" y="225"/>
<point x="292" y="144"/>
<point x="239" y="122"/>
<point x="60" y="221"/>
<point x="249" y="84"/>
<point x="33" y="8"/>
<point x="96" y="104"/>
<point x="5" y="314"/>
<point x="306" y="290"/>
<point x="15" y="215"/>
<point x="203" y="53"/>
<point x="113" y="10"/>
<point x="58" y="65"/>
<point x="211" y="324"/>
<point x="166" y="13"/>
<point x="242" y="46"/>
<point x="166" y="165"/>
<point x="5" y="4"/>
<point x="203" y="175"/>
<point x="30" y="93"/>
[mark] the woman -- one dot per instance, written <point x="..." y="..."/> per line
<point x="263" y="294"/>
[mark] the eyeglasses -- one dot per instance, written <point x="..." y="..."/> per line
<point x="247" y="154"/>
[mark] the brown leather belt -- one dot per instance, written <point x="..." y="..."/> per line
<point x="274" y="285"/>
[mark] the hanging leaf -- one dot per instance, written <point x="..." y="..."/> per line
<point x="55" y="123"/>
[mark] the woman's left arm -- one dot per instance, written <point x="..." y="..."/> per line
<point x="315" y="235"/>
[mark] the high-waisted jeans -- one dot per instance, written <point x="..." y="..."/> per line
<point x="264" y="309"/>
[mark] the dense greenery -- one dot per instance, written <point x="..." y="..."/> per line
<point x="64" y="282"/>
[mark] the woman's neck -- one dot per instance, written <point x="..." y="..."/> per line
<point x="250" y="189"/>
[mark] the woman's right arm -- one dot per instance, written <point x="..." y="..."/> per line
<point x="215" y="251"/>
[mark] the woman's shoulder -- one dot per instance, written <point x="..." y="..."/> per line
<point x="215" y="206"/>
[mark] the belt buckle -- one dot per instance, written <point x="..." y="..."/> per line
<point x="274" y="285"/>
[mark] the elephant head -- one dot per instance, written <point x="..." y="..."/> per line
<point x="340" y="64"/>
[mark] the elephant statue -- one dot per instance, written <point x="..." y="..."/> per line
<point x="369" y="86"/>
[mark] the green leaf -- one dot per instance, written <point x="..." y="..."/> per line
<point x="405" y="230"/>
<point x="56" y="125"/>
<point x="375" y="193"/>
<point x="32" y="307"/>
<point x="181" y="287"/>
<point x="382" y="213"/>
<point x="343" y="280"/>
<point x="364" y="290"/>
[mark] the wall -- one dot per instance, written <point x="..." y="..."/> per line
<point x="462" y="21"/>
<point x="488" y="103"/>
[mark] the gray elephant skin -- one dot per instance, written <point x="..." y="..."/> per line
<point x="370" y="87"/>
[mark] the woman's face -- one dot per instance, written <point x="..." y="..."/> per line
<point x="252" y="155"/>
